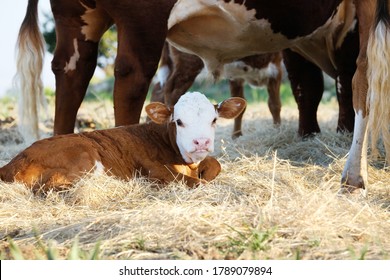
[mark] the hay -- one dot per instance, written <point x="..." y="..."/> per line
<point x="276" y="198"/>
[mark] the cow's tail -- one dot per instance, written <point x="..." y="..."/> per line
<point x="29" y="59"/>
<point x="378" y="75"/>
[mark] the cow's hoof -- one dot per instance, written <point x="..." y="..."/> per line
<point x="236" y="134"/>
<point x="356" y="189"/>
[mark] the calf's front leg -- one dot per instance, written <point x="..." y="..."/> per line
<point x="208" y="169"/>
<point x="191" y="175"/>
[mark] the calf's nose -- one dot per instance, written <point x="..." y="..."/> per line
<point x="202" y="143"/>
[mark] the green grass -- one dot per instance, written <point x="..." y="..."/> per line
<point x="252" y="240"/>
<point x="50" y="251"/>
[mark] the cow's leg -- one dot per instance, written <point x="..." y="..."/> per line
<point x="355" y="170"/>
<point x="237" y="90"/>
<point x="75" y="57"/>
<point x="163" y="73"/>
<point x="141" y="39"/>
<point x="354" y="175"/>
<point x="71" y="81"/>
<point x="166" y="174"/>
<point x="134" y="70"/>
<point x="346" y="118"/>
<point x="371" y="81"/>
<point x="345" y="58"/>
<point x="274" y="103"/>
<point x="307" y="84"/>
<point x="186" y="67"/>
<point x="157" y="94"/>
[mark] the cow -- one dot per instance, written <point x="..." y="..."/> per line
<point x="79" y="25"/>
<point x="178" y="71"/>
<point x="174" y="146"/>
<point x="220" y="31"/>
<point x="307" y="82"/>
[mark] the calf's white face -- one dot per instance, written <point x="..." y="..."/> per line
<point x="195" y="119"/>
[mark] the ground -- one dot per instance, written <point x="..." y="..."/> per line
<point x="276" y="198"/>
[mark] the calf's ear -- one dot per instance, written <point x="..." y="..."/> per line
<point x="231" y="107"/>
<point x="158" y="112"/>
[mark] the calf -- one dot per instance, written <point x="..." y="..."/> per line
<point x="175" y="146"/>
<point x="178" y="70"/>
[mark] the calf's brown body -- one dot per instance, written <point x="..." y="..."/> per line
<point x="149" y="149"/>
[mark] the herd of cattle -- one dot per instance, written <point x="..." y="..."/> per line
<point x="241" y="40"/>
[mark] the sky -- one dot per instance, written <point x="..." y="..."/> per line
<point x="11" y="18"/>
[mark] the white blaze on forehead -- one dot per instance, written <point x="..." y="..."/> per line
<point x="71" y="65"/>
<point x="196" y="114"/>
<point x="193" y="104"/>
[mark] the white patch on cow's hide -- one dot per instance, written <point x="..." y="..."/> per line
<point x="99" y="168"/>
<point x="96" y="23"/>
<point x="196" y="115"/>
<point x="162" y="75"/>
<point x="256" y="77"/>
<point x="71" y="65"/>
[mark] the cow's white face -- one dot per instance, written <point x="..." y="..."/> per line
<point x="195" y="118"/>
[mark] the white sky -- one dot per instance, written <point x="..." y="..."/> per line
<point x="11" y="17"/>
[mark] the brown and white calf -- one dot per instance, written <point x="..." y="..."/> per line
<point x="175" y="146"/>
<point x="178" y="71"/>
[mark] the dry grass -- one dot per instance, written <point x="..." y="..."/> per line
<point x="276" y="198"/>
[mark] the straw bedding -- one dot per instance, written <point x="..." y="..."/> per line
<point x="276" y="198"/>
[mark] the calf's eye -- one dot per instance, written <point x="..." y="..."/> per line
<point x="214" y="121"/>
<point x="179" y="123"/>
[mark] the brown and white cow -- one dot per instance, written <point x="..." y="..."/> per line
<point x="175" y="146"/>
<point x="178" y="71"/>
<point x="221" y="31"/>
